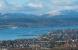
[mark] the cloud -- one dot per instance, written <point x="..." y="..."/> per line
<point x="53" y="7"/>
<point x="35" y="5"/>
<point x="58" y="6"/>
<point x="55" y="12"/>
<point x="2" y="5"/>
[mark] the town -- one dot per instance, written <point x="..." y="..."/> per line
<point x="54" y="39"/>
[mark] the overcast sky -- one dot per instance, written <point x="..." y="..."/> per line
<point x="53" y="7"/>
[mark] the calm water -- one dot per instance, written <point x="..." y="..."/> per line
<point x="15" y="32"/>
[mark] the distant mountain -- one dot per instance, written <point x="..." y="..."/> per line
<point x="45" y="20"/>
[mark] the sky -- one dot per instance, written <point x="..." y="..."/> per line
<point x="53" y="7"/>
